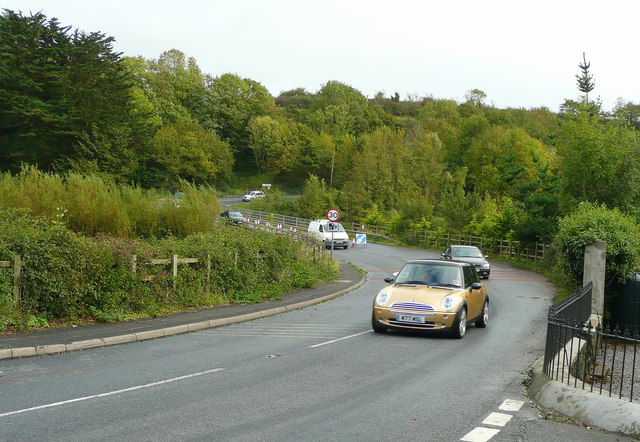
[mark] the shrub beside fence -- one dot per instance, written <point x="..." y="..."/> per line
<point x="18" y="265"/>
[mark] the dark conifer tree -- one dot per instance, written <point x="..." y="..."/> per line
<point x="56" y="86"/>
<point x="585" y="80"/>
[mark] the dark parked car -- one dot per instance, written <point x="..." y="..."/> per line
<point x="234" y="217"/>
<point x="470" y="254"/>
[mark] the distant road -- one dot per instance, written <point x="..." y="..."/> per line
<point x="230" y="199"/>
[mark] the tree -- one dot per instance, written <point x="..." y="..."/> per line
<point x="56" y="86"/>
<point x="189" y="152"/>
<point x="230" y="103"/>
<point x="627" y="111"/>
<point x="499" y="159"/>
<point x="476" y="97"/>
<point x="179" y="88"/>
<point x="539" y="199"/>
<point x="585" y="80"/>
<point x="315" y="198"/>
<point x="443" y="118"/>
<point x="452" y="206"/>
<point x="599" y="161"/>
<point x="275" y="145"/>
<point x="342" y="110"/>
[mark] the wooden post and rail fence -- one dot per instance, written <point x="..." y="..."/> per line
<point x="17" y="265"/>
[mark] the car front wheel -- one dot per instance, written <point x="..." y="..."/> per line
<point x="376" y="325"/>
<point x="484" y="319"/>
<point x="460" y="324"/>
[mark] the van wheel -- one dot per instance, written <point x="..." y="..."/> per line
<point x="346" y="246"/>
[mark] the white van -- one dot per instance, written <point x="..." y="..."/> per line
<point x="320" y="228"/>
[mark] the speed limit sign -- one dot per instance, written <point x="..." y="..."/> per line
<point x="333" y="215"/>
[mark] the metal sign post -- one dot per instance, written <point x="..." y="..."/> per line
<point x="331" y="243"/>
<point x="333" y="215"/>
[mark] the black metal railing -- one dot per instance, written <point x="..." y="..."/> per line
<point x="593" y="358"/>
<point x="575" y="308"/>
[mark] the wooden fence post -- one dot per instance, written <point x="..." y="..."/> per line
<point x="134" y="264"/>
<point x="17" y="271"/>
<point x="175" y="270"/>
<point x="208" y="271"/>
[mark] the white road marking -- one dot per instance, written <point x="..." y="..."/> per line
<point x="111" y="393"/>
<point x="497" y="419"/>
<point x="340" y="339"/>
<point x="273" y="335"/>
<point x="511" y="405"/>
<point x="480" y="434"/>
<point x="301" y="331"/>
<point x="483" y="434"/>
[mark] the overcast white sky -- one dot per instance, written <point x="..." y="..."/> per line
<point x="521" y="54"/>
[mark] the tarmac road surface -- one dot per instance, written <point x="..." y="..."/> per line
<point x="317" y="373"/>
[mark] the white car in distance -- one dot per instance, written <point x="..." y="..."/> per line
<point x="253" y="195"/>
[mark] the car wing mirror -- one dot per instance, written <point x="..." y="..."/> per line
<point x="445" y="255"/>
<point x="476" y="286"/>
<point x="389" y="279"/>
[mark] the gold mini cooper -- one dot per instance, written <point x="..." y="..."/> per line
<point x="432" y="295"/>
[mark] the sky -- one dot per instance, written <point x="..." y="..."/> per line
<point x="520" y="54"/>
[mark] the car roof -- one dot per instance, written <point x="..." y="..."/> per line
<point x="438" y="262"/>
<point x="460" y="245"/>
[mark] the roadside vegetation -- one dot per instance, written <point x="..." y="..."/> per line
<point x="98" y="143"/>
<point x="68" y="277"/>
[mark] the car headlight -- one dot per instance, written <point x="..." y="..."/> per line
<point x="486" y="265"/>
<point x="382" y="298"/>
<point x="448" y="303"/>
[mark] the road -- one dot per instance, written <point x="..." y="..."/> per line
<point x="317" y="374"/>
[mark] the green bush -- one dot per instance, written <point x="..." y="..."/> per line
<point x="90" y="205"/>
<point x="589" y="223"/>
<point x="68" y="277"/>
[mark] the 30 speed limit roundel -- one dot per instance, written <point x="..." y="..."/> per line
<point x="333" y="215"/>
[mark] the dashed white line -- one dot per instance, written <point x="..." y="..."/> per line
<point x="111" y="393"/>
<point x="340" y="339"/>
<point x="497" y="419"/>
<point x="511" y="405"/>
<point x="480" y="434"/>
<point x="483" y="434"/>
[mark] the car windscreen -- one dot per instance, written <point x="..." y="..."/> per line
<point x="467" y="252"/>
<point x="235" y="214"/>
<point x="429" y="274"/>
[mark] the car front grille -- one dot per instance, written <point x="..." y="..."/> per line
<point x="412" y="324"/>
<point x="413" y="306"/>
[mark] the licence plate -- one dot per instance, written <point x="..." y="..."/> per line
<point x="410" y="318"/>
